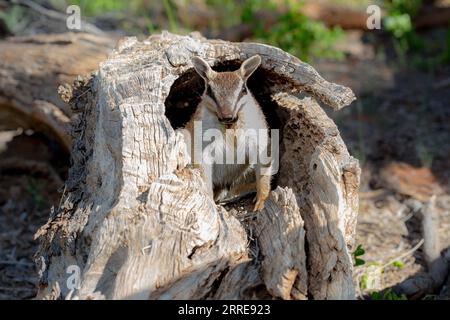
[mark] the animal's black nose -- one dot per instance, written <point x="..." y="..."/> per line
<point x="228" y="120"/>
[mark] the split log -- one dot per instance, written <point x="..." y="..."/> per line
<point x="32" y="68"/>
<point x="136" y="220"/>
<point x="336" y="15"/>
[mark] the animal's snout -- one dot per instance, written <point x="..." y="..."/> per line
<point x="228" y="119"/>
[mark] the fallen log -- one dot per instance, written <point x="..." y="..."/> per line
<point x="435" y="278"/>
<point x="32" y="68"/>
<point x="347" y="18"/>
<point x="135" y="220"/>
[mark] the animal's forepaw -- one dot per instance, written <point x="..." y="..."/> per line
<point x="259" y="203"/>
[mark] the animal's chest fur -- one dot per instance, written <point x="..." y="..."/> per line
<point x="236" y="159"/>
<point x="234" y="154"/>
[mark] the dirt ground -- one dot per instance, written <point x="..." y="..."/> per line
<point x="32" y="170"/>
<point x="400" y="118"/>
<point x="399" y="129"/>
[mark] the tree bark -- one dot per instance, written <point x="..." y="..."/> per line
<point x="137" y="220"/>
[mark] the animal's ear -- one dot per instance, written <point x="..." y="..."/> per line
<point x="249" y="66"/>
<point x="202" y="67"/>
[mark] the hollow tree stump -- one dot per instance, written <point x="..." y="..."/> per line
<point x="137" y="219"/>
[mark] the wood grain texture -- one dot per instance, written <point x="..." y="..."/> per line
<point x="137" y="219"/>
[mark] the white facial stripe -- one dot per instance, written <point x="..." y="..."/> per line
<point x="237" y="91"/>
<point x="235" y="97"/>
<point x="232" y="98"/>
<point x="241" y="105"/>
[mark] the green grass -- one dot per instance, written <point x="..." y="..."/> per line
<point x="93" y="8"/>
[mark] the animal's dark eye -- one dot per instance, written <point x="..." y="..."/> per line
<point x="209" y="91"/>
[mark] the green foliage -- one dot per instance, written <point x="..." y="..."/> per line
<point x="249" y="8"/>
<point x="398" y="264"/>
<point x="421" y="51"/>
<point x="15" y="18"/>
<point x="170" y="15"/>
<point x="234" y="13"/>
<point x="357" y="253"/>
<point x="399" y="23"/>
<point x="133" y="16"/>
<point x="387" y="295"/>
<point x="99" y="7"/>
<point x="371" y="277"/>
<point x="359" y="262"/>
<point x="294" y="32"/>
<point x="398" y="7"/>
<point x="363" y="281"/>
<point x="302" y="37"/>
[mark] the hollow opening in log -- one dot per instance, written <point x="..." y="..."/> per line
<point x="185" y="95"/>
<point x="186" y="91"/>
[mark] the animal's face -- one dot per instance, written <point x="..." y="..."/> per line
<point x="225" y="92"/>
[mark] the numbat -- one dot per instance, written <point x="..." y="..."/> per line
<point x="229" y="136"/>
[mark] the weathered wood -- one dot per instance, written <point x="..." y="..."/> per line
<point x="284" y="259"/>
<point x="325" y="179"/>
<point x="32" y="68"/>
<point x="137" y="219"/>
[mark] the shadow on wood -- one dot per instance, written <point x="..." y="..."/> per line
<point x="136" y="219"/>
